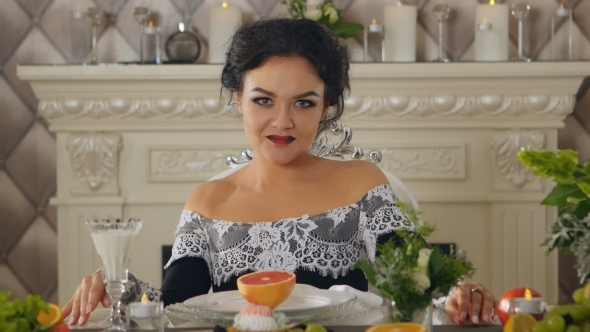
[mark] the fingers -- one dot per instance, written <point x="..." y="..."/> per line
<point x="106" y="300"/>
<point x="488" y="305"/>
<point x="476" y="304"/>
<point x="463" y="301"/>
<point x="95" y="294"/>
<point x="90" y="291"/>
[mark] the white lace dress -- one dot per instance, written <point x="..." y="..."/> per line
<point x="320" y="249"/>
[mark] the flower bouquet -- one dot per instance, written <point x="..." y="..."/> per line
<point x="411" y="273"/>
<point x="326" y="14"/>
<point x="571" y="230"/>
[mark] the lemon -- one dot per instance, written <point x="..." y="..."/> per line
<point x="315" y="328"/>
<point x="522" y="322"/>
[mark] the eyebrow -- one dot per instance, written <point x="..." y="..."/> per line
<point x="272" y="94"/>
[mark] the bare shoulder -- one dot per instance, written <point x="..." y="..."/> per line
<point x="205" y="197"/>
<point x="363" y="174"/>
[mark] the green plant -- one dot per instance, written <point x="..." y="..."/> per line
<point x="326" y="14"/>
<point x="571" y="230"/>
<point x="16" y="316"/>
<point x="410" y="272"/>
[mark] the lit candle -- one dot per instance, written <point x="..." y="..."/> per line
<point x="400" y="23"/>
<point x="145" y="308"/>
<point x="562" y="11"/>
<point x="528" y="304"/>
<point x="484" y="25"/>
<point x="491" y="43"/>
<point x="374" y="27"/>
<point x="223" y="22"/>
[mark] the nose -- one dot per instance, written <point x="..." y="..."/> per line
<point x="282" y="119"/>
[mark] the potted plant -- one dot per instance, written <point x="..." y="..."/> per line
<point x="571" y="230"/>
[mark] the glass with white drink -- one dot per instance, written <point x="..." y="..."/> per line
<point x="113" y="241"/>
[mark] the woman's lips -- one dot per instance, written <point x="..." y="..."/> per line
<point x="280" y="140"/>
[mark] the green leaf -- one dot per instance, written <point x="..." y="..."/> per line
<point x="346" y="29"/>
<point x="558" y="196"/>
<point x="435" y="263"/>
<point x="581" y="209"/>
<point x="368" y="269"/>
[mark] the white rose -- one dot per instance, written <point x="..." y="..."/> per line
<point x="423" y="259"/>
<point x="314" y="14"/>
<point x="421" y="279"/>
<point x="333" y="13"/>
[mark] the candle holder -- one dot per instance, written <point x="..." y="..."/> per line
<point x="442" y="13"/>
<point x="484" y="25"/>
<point x="520" y="11"/>
<point x="536" y="306"/>
<point x="146" y="315"/>
<point x="141" y="16"/>
<point x="373" y="29"/>
<point x="95" y="15"/>
<point x="562" y="13"/>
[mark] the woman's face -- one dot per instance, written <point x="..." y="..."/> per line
<point x="282" y="104"/>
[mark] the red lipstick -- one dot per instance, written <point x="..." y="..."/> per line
<point x="280" y="140"/>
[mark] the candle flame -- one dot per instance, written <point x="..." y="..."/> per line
<point x="399" y="3"/>
<point x="144" y="299"/>
<point x="485" y="20"/>
<point x="527" y="294"/>
<point x="78" y="8"/>
<point x="151" y="24"/>
<point x="374" y="21"/>
<point x="492" y="2"/>
<point x="224" y="5"/>
<point x="561" y="6"/>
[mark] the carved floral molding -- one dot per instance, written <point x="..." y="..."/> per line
<point x="171" y="164"/>
<point x="144" y="108"/>
<point x="506" y="145"/>
<point x="356" y="106"/>
<point x="427" y="161"/>
<point x="488" y="105"/>
<point x="95" y="162"/>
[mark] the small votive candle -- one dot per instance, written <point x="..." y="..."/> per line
<point x="535" y="306"/>
<point x="562" y="11"/>
<point x="484" y="25"/>
<point x="146" y="314"/>
<point x="374" y="27"/>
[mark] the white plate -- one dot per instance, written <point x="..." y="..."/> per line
<point x="305" y="302"/>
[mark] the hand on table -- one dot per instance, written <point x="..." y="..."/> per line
<point x="471" y="303"/>
<point x="85" y="299"/>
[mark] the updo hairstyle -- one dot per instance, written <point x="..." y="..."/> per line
<point x="256" y="42"/>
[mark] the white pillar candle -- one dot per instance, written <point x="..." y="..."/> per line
<point x="491" y="44"/>
<point x="223" y="22"/>
<point x="400" y="23"/>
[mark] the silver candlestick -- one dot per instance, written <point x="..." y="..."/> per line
<point x="442" y="13"/>
<point x="95" y="15"/>
<point x="520" y="11"/>
<point x="141" y="16"/>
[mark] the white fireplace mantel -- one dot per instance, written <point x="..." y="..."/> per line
<point x="134" y="140"/>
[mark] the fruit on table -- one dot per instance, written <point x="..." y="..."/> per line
<point x="315" y="328"/>
<point x="269" y="288"/>
<point x="520" y="322"/>
<point x="504" y="303"/>
<point x="60" y="327"/>
<point x="397" y="327"/>
<point x="52" y="317"/>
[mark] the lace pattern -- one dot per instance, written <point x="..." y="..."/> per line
<point x="328" y="243"/>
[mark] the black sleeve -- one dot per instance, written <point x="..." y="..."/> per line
<point x="186" y="277"/>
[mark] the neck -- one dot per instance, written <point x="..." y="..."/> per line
<point x="265" y="175"/>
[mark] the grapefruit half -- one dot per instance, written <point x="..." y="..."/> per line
<point x="269" y="288"/>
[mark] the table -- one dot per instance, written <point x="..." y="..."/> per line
<point x="357" y="328"/>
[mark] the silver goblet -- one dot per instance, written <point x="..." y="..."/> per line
<point x="141" y="16"/>
<point x="520" y="11"/>
<point x="442" y="13"/>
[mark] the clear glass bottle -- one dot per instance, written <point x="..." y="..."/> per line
<point x="80" y="36"/>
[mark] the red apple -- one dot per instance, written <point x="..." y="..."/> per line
<point x="504" y="303"/>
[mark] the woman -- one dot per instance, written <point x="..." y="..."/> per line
<point x="288" y="78"/>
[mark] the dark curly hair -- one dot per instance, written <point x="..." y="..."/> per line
<point x="254" y="43"/>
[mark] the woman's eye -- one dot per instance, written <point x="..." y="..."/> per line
<point x="263" y="101"/>
<point x="304" y="103"/>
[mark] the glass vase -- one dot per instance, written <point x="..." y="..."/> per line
<point x="423" y="316"/>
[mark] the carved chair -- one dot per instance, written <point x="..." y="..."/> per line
<point x="334" y="143"/>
